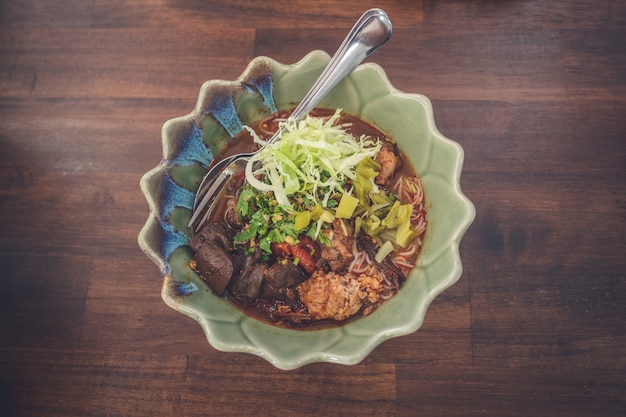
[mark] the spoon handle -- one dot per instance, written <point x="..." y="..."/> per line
<point x="368" y="34"/>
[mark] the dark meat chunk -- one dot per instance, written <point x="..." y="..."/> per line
<point x="338" y="256"/>
<point x="212" y="261"/>
<point x="279" y="278"/>
<point x="246" y="285"/>
<point x="214" y="265"/>
<point x="218" y="233"/>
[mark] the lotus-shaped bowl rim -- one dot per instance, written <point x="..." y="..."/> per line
<point x="266" y="85"/>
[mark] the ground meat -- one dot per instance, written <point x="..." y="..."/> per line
<point x="337" y="297"/>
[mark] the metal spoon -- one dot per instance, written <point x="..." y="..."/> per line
<point x="369" y="33"/>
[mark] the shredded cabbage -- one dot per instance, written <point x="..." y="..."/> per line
<point x="313" y="157"/>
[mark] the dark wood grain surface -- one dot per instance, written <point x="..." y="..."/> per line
<point x="534" y="90"/>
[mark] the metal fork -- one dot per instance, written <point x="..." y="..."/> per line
<point x="369" y="33"/>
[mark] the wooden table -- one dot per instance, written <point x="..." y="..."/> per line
<point x="533" y="90"/>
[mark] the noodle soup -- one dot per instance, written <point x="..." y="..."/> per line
<point x="323" y="227"/>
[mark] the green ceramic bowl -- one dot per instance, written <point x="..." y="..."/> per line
<point x="223" y="107"/>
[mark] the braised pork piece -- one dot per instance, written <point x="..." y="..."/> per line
<point x="315" y="256"/>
